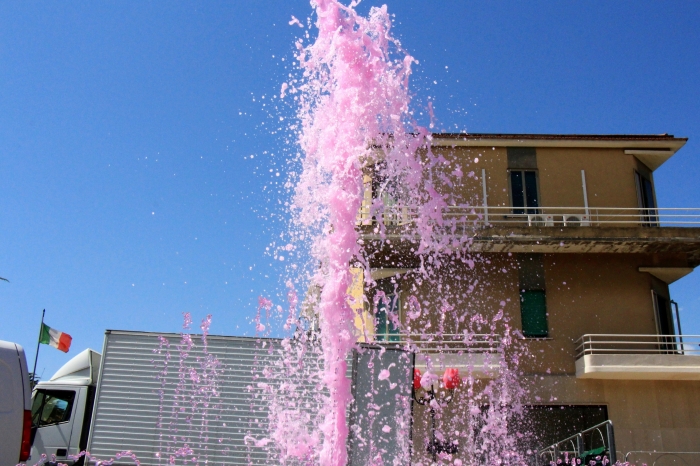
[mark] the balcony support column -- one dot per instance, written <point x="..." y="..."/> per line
<point x="485" y="202"/>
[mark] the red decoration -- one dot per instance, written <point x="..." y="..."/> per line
<point x="416" y="379"/>
<point x="450" y="378"/>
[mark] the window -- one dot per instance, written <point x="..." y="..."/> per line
<point x="523" y="190"/>
<point x="522" y="169"/>
<point x="533" y="302"/>
<point x="664" y="322"/>
<point x="52" y="407"/>
<point x="386" y="320"/>
<point x="647" y="203"/>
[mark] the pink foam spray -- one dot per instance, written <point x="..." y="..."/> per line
<point x="353" y="106"/>
<point x="353" y="97"/>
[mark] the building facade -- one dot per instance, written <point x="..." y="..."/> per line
<point x="562" y="236"/>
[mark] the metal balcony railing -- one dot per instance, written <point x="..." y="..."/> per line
<point x="637" y="344"/>
<point x="480" y="216"/>
<point x="445" y="343"/>
<point x="588" y="445"/>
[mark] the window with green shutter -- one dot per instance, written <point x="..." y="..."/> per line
<point x="533" y="308"/>
<point x="533" y="302"/>
<point x="387" y="313"/>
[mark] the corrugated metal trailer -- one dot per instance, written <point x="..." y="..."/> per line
<point x="161" y="396"/>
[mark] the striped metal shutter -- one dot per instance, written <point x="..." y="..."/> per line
<point x="130" y="414"/>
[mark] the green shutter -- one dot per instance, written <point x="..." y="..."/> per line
<point x="533" y="309"/>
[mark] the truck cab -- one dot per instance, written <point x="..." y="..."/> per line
<point x="62" y="408"/>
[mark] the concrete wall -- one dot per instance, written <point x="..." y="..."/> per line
<point x="585" y="293"/>
<point x="647" y="415"/>
<point x="610" y="175"/>
<point x="610" y="180"/>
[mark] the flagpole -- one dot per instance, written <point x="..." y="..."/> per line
<point x="36" y="358"/>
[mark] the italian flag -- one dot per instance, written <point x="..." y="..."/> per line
<point x="52" y="337"/>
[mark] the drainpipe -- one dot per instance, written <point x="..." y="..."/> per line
<point x="485" y="199"/>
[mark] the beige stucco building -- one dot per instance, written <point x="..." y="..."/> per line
<point x="563" y="234"/>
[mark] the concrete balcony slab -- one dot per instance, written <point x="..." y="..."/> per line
<point x="602" y="239"/>
<point x="683" y="241"/>
<point x="638" y="367"/>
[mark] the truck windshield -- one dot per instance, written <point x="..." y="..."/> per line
<point x="52" y="407"/>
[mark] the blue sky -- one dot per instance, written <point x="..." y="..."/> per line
<point x="128" y="193"/>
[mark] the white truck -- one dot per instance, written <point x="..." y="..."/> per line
<point x="169" y="398"/>
<point x="160" y="396"/>
<point x="15" y="404"/>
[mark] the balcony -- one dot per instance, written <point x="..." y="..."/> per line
<point x="478" y="354"/>
<point x="550" y="229"/>
<point x="484" y="216"/>
<point x="638" y="357"/>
